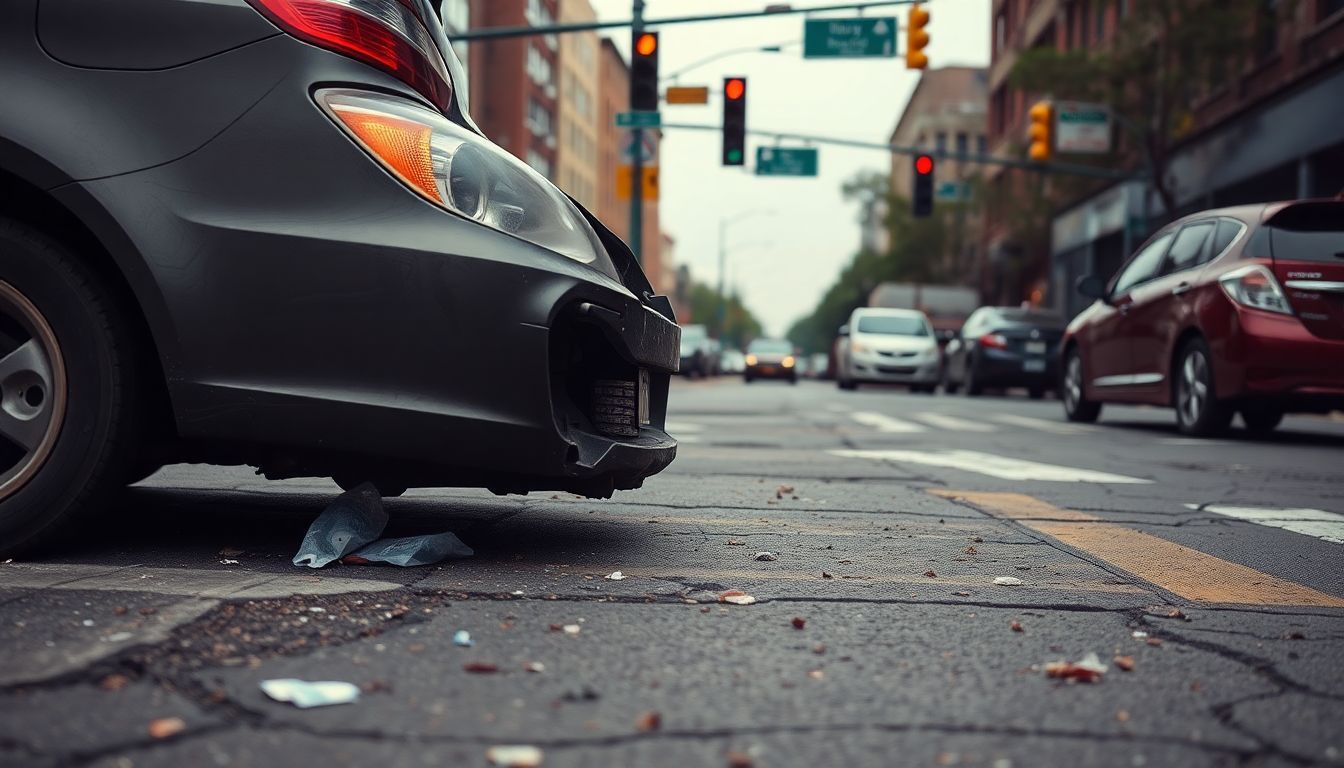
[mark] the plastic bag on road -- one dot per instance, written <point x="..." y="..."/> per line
<point x="304" y="694"/>
<point x="356" y="518"/>
<point x="413" y="550"/>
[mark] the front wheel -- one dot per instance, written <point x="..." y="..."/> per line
<point x="1198" y="411"/>
<point x="1076" y="406"/>
<point x="71" y="413"/>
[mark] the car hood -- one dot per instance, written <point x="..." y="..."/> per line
<point x="892" y="343"/>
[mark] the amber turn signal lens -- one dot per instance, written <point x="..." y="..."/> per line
<point x="401" y="145"/>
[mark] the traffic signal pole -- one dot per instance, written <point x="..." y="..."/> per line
<point x="637" y="162"/>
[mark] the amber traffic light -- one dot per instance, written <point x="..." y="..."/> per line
<point x="644" y="72"/>
<point x="917" y="38"/>
<point x="1041" y="131"/>
<point x="734" y="120"/>
<point x="922" y="188"/>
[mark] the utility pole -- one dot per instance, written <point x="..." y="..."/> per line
<point x="722" y="321"/>
<point x="637" y="162"/>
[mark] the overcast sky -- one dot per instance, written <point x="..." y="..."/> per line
<point x="813" y="232"/>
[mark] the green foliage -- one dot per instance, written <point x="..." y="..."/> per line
<point x="740" y="325"/>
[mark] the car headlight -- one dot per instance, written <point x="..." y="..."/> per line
<point x="751" y="359"/>
<point x="462" y="172"/>
<point x="856" y="346"/>
<point x="788" y="361"/>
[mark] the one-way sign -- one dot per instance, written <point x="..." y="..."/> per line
<point x="864" y="37"/>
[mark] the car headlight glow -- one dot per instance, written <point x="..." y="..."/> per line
<point x="788" y="361"/>
<point x="751" y="359"/>
<point x="462" y="172"/>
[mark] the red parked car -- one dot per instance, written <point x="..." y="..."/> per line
<point x="1238" y="309"/>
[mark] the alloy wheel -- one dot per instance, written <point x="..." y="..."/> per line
<point x="1073" y="383"/>
<point x="32" y="390"/>
<point x="1192" y="395"/>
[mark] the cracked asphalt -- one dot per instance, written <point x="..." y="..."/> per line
<point x="1213" y="570"/>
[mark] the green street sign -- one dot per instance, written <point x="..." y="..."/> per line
<point x="639" y="119"/>
<point x="776" y="161"/>
<point x="864" y="37"/>
<point x="953" y="191"/>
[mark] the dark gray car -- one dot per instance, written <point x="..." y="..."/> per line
<point x="269" y="233"/>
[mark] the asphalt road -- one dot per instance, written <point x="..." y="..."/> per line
<point x="1214" y="570"/>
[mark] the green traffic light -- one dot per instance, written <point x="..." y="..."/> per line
<point x="734" y="155"/>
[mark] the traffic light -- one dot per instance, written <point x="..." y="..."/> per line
<point x="1042" y="117"/>
<point x="922" y="196"/>
<point x="734" y="120"/>
<point x="917" y="38"/>
<point x="644" y="72"/>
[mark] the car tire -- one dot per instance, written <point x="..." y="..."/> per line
<point x="974" y="387"/>
<point x="948" y="386"/>
<point x="848" y="385"/>
<point x="1198" y="412"/>
<point x="72" y="403"/>
<point x="1261" y="420"/>
<point x="1072" y="392"/>
<point x="1036" y="393"/>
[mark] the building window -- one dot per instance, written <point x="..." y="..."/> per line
<point x="940" y="142"/>
<point x="963" y="144"/>
<point x="1268" y="29"/>
<point x="1122" y="9"/>
<point x="1000" y="32"/>
<point x="539" y="120"/>
<point x="538" y="66"/>
<point x="981" y="144"/>
<point x="1099" y="24"/>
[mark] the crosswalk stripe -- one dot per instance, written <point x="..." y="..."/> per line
<point x="1041" y="425"/>
<point x="952" y="423"/>
<point x="1317" y="523"/>
<point x="1192" y="574"/>
<point x="884" y="423"/>
<point x="992" y="465"/>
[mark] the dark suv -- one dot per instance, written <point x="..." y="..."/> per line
<point x="269" y="233"/>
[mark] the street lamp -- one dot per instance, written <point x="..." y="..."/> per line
<point x="723" y="257"/>
<point x="778" y="48"/>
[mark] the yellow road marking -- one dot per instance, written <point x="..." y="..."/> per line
<point x="1189" y="573"/>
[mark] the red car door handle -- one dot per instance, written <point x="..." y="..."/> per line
<point x="1180" y="289"/>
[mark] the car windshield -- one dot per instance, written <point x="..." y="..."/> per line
<point x="1029" y="317"/>
<point x="894" y="326"/>
<point x="770" y="347"/>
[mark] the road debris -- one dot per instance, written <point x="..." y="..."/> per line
<point x="166" y="727"/>
<point x="736" y="597"/>
<point x="304" y="694"/>
<point x="930" y="574"/>
<point x="349" y="528"/>
<point x="736" y="543"/>
<point x="649" y="722"/>
<point x="1125" y="663"/>
<point x="740" y="760"/>
<point x="519" y="756"/>
<point x="1088" y="670"/>
<point x="462" y="639"/>
<point x="535" y="667"/>
<point x="817" y="674"/>
<point x="1156" y="642"/>
<point x="480" y="667"/>
<point x="1007" y="581"/>
<point x="783" y="490"/>
<point x="971" y="550"/>
<point x="1016" y="626"/>
<point x="114" y="682"/>
<point x="356" y="518"/>
<point x="227" y="561"/>
<point x="615" y="576"/>
<point x="766" y="557"/>
<point x="962" y="594"/>
<point x="572" y="629"/>
<point x="798" y="622"/>
<point x="1138" y="634"/>
<point x="826" y="575"/>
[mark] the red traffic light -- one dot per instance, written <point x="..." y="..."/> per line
<point x="735" y="89"/>
<point x="647" y="44"/>
<point x="924" y="165"/>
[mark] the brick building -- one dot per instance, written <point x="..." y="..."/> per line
<point x="1270" y="132"/>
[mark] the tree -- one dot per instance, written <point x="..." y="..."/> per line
<point x="740" y="325"/>
<point x="1166" y="55"/>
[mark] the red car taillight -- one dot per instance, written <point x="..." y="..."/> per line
<point x="994" y="340"/>
<point x="386" y="34"/>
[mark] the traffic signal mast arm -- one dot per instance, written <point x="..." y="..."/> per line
<point x="1070" y="169"/>
<point x="494" y="33"/>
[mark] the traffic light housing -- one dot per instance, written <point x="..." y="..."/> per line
<point x="917" y="38"/>
<point x="922" y="194"/>
<point x="1041" y="131"/>
<point x="644" y="72"/>
<point x="734" y="120"/>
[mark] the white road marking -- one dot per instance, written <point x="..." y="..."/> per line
<point x="1317" y="523"/>
<point x="1192" y="441"/>
<point x="883" y="423"/>
<point x="994" y="466"/>
<point x="1042" y="425"/>
<point x="953" y="423"/>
